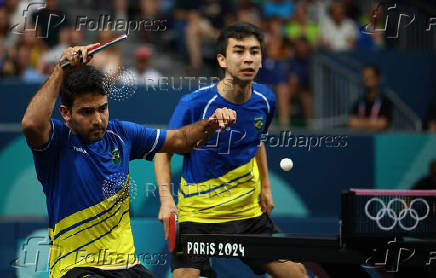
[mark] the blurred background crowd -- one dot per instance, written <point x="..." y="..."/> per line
<point x="176" y="38"/>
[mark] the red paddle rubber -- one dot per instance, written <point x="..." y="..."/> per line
<point x="173" y="232"/>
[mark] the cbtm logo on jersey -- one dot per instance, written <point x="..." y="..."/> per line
<point x="258" y="123"/>
<point x="116" y="156"/>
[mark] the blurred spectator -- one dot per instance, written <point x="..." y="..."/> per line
<point x="9" y="68"/>
<point x="110" y="60"/>
<point x="142" y="74"/>
<point x="7" y="37"/>
<point x="273" y="71"/>
<point x="50" y="20"/>
<point x="430" y="119"/>
<point x="150" y="8"/>
<point x="283" y="9"/>
<point x="203" y="26"/>
<point x="299" y="84"/>
<point x="317" y="10"/>
<point x="76" y="36"/>
<point x="121" y="9"/>
<point x="352" y="10"/>
<point x="4" y="22"/>
<point x="19" y="16"/>
<point x="250" y="12"/>
<point x="182" y="11"/>
<point x="32" y="40"/>
<point x="428" y="182"/>
<point x="2" y="50"/>
<point x="20" y="10"/>
<point x="25" y="71"/>
<point x="368" y="37"/>
<point x="300" y="26"/>
<point x="372" y="112"/>
<point x="53" y="56"/>
<point x="337" y="31"/>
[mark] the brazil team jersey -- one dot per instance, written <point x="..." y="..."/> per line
<point x="86" y="187"/>
<point x="220" y="180"/>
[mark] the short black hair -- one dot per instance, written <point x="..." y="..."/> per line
<point x="374" y="68"/>
<point x="85" y="80"/>
<point x="237" y="30"/>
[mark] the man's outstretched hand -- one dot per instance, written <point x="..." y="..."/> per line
<point x="222" y="118"/>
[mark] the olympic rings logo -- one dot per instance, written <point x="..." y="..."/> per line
<point x="387" y="210"/>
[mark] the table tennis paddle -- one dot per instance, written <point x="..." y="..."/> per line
<point x="97" y="48"/>
<point x="173" y="232"/>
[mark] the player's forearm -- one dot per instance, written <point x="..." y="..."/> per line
<point x="262" y="164"/>
<point x="197" y="134"/>
<point x="185" y="139"/>
<point x="40" y="108"/>
<point x="162" y="171"/>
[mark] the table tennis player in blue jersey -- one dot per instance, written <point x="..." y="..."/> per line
<point x="225" y="186"/>
<point x="83" y="166"/>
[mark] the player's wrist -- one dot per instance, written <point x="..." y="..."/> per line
<point x="58" y="71"/>
<point x="166" y="199"/>
<point x="266" y="185"/>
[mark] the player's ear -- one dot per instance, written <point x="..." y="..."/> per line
<point x="221" y="60"/>
<point x="65" y="112"/>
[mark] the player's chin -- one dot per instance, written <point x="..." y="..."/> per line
<point x="96" y="136"/>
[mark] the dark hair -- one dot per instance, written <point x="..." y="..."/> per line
<point x="374" y="68"/>
<point x="237" y="30"/>
<point x="83" y="81"/>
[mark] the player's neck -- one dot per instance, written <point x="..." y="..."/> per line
<point x="234" y="92"/>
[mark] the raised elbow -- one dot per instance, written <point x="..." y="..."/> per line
<point x="27" y="125"/>
<point x="31" y="128"/>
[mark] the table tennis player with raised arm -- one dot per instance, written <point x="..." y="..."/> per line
<point x="225" y="187"/>
<point x="83" y="166"/>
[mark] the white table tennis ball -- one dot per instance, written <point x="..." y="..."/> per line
<point x="286" y="164"/>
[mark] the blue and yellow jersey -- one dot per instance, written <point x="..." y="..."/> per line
<point x="220" y="180"/>
<point x="87" y="192"/>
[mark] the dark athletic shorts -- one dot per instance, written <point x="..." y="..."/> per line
<point x="137" y="271"/>
<point x="257" y="225"/>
